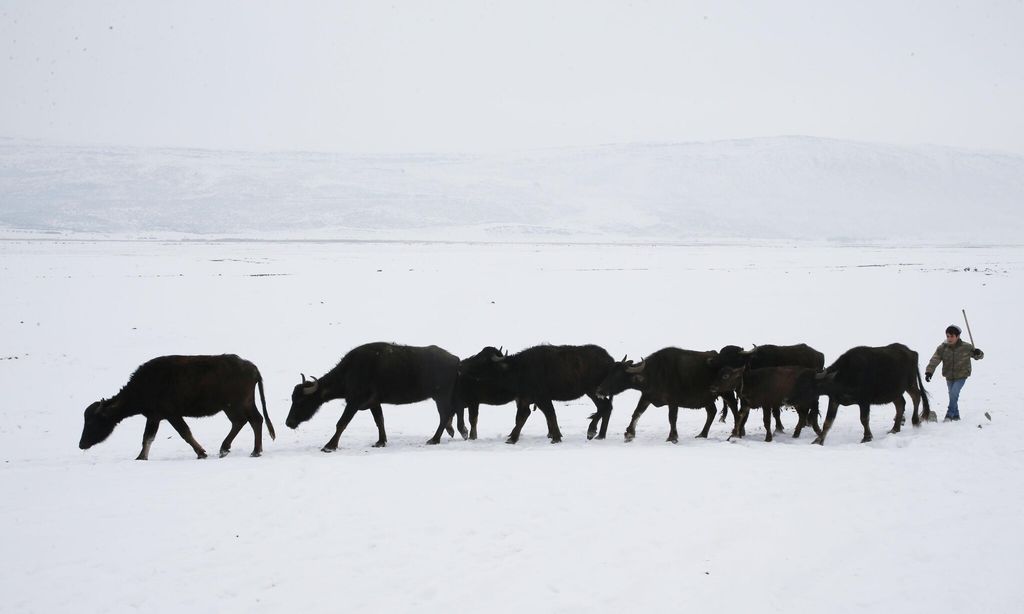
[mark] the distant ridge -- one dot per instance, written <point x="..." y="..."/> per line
<point x="783" y="188"/>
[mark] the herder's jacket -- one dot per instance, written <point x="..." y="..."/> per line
<point x="955" y="359"/>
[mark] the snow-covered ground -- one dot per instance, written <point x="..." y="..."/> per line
<point x="792" y="188"/>
<point x="924" y="521"/>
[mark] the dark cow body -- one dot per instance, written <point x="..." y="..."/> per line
<point x="768" y="355"/>
<point x="670" y="376"/>
<point x="770" y="388"/>
<point x="536" y="376"/>
<point x="379" y="373"/>
<point x="867" y="376"/>
<point x="176" y="387"/>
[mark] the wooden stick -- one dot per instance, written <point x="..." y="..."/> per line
<point x="969" y="335"/>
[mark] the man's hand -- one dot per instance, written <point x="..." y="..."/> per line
<point x="976" y="353"/>
<point x="927" y="377"/>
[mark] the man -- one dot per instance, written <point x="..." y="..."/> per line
<point x="955" y="355"/>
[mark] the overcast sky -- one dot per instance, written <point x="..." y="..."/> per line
<point x="483" y="76"/>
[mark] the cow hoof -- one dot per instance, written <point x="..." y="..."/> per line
<point x="472" y="436"/>
<point x="141" y="457"/>
<point x="893" y="430"/>
<point x="327" y="449"/>
<point x="433" y="441"/>
<point x="701" y="436"/>
<point x="556" y="440"/>
<point x="511" y="441"/>
<point x="932" y="417"/>
<point x="256" y="454"/>
<point x="768" y="439"/>
<point x="672" y="439"/>
<point x="591" y="435"/>
<point x="819" y="441"/>
<point x="465" y="434"/>
<point x="866" y="439"/>
<point x="450" y="431"/>
<point x="200" y="455"/>
<point x="630" y="436"/>
<point x="224" y="453"/>
<point x="380" y="444"/>
<point x="599" y="437"/>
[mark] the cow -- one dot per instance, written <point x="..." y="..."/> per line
<point x="670" y="376"/>
<point x="800" y="355"/>
<point x="375" y="374"/>
<point x="173" y="388"/>
<point x="536" y="376"/>
<point x="867" y="376"/>
<point x="770" y="388"/>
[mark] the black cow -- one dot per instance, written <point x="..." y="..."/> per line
<point x="867" y="376"/>
<point x="377" y="373"/>
<point x="175" y="387"/>
<point x="670" y="376"/>
<point x="800" y="355"/>
<point x="536" y="376"/>
<point x="770" y="388"/>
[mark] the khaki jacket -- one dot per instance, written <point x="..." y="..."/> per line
<point x="955" y="359"/>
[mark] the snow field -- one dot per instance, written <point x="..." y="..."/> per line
<point x="926" y="520"/>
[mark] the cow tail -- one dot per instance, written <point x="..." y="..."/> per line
<point x="924" y="395"/>
<point x="263" y="402"/>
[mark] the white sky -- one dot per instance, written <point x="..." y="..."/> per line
<point x="482" y="76"/>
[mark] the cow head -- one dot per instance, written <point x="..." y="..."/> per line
<point x="728" y="378"/>
<point x="307" y="397"/>
<point x="729" y="356"/>
<point x="100" y="420"/>
<point x="622" y="375"/>
<point x="487" y="364"/>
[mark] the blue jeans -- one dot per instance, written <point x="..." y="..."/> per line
<point x="954" y="386"/>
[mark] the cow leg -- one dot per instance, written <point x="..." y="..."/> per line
<point x="186" y="433"/>
<point x="730" y="402"/>
<point x="915" y="397"/>
<point x="460" y="417"/>
<point x="445" y="409"/>
<point x="830" y="417"/>
<point x="744" y="414"/>
<point x="522" y="413"/>
<point x="148" y="435"/>
<point x="865" y="416"/>
<point x="901" y="407"/>
<point x="801" y="421"/>
<point x="766" y="413"/>
<point x="606" y="418"/>
<point x="474" y="415"/>
<point x="236" y="427"/>
<point x="548" y="409"/>
<point x="812" y="419"/>
<point x="256" y="422"/>
<point x="777" y="412"/>
<point x="673" y="434"/>
<point x="378" y="419"/>
<point x="712" y="410"/>
<point x="641" y="407"/>
<point x="601" y="415"/>
<point x="346" y="417"/>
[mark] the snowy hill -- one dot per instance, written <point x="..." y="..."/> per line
<point x="792" y="188"/>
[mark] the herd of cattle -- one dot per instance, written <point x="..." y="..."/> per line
<point x="767" y="377"/>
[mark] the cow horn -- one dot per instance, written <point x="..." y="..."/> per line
<point x="311" y="386"/>
<point x="638" y="367"/>
<point x="624" y="357"/>
<point x="500" y="348"/>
